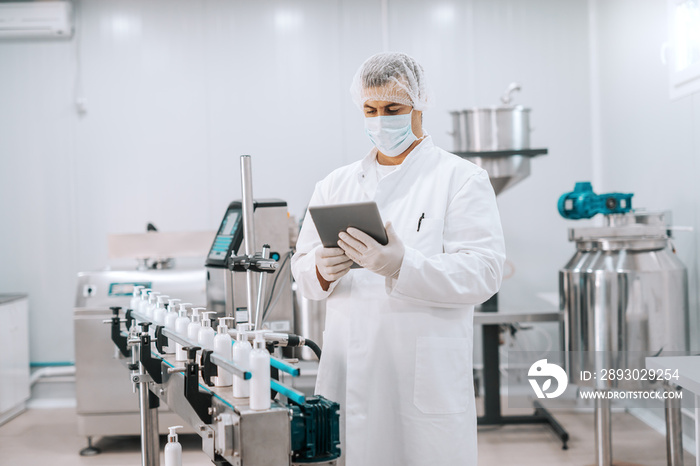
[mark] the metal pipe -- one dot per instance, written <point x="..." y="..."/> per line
<point x="225" y="364"/>
<point x="145" y="425"/>
<point x="229" y="305"/>
<point x="261" y="288"/>
<point x="177" y="338"/>
<point x="144" y="413"/>
<point x="674" y="427"/>
<point x="248" y="226"/>
<point x="230" y="366"/>
<point x="247" y="202"/>
<point x="603" y="435"/>
<point x="150" y="442"/>
<point x="154" y="436"/>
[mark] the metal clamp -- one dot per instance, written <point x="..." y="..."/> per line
<point x="209" y="369"/>
<point x="200" y="401"/>
<point x="160" y="339"/>
<point x="119" y="340"/>
<point x="129" y="318"/>
<point x="152" y="365"/>
<point x="141" y="378"/>
<point x="254" y="263"/>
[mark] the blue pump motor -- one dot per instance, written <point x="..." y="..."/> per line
<point x="315" y="430"/>
<point x="582" y="202"/>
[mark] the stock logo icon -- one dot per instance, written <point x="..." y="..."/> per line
<point x="542" y="370"/>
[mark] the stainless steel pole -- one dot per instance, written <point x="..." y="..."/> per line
<point x="154" y="437"/>
<point x="229" y="305"/>
<point x="674" y="427"/>
<point x="145" y="414"/>
<point x="248" y="227"/>
<point x="603" y="434"/>
<point x="261" y="289"/>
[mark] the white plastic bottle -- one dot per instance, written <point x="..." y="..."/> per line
<point x="260" y="382"/>
<point x="159" y="311"/>
<point x="136" y="297"/>
<point x="172" y="305"/>
<point x="205" y="337"/>
<point x="241" y="356"/>
<point x="194" y="326"/>
<point x="169" y="322"/>
<point x="145" y="296"/>
<point x="152" y="303"/>
<point x="173" y="449"/>
<point x="181" y="324"/>
<point x="143" y="303"/>
<point x="158" y="317"/>
<point x="222" y="347"/>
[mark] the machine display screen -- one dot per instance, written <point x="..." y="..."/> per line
<point x="227" y="231"/>
<point x="125" y="289"/>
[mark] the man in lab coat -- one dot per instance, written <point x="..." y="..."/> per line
<point x="397" y="348"/>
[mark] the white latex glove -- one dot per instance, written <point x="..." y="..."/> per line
<point x="332" y="263"/>
<point x="383" y="260"/>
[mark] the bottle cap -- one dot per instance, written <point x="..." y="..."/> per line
<point x="137" y="290"/>
<point x="195" y="313"/>
<point x="243" y="330"/>
<point x="172" y="303"/>
<point x="183" y="309"/>
<point x="173" y="434"/>
<point x="259" y="340"/>
<point x="222" y="327"/>
<point x="207" y="320"/>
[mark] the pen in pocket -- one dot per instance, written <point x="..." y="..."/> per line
<point x="420" y="220"/>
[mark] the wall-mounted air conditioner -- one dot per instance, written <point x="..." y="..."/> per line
<point x="36" y="20"/>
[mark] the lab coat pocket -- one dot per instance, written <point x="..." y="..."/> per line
<point x="428" y="238"/>
<point x="442" y="379"/>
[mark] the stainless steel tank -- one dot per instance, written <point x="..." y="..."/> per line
<point x="310" y="321"/>
<point x="624" y="295"/>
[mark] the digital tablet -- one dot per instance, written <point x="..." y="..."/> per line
<point x="332" y="219"/>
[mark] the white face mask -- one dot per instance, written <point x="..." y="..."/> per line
<point x="391" y="134"/>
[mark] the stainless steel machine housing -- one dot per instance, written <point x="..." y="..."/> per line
<point x="624" y="294"/>
<point x="226" y="290"/>
<point x="106" y="404"/>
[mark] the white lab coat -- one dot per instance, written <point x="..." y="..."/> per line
<point x="397" y="353"/>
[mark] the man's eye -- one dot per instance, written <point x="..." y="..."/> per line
<point x="370" y="112"/>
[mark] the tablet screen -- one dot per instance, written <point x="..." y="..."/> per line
<point x="332" y="219"/>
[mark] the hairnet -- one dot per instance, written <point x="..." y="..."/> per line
<point x="391" y="77"/>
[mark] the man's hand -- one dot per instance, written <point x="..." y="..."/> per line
<point x="384" y="260"/>
<point x="331" y="264"/>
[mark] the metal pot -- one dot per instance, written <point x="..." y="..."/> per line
<point x="496" y="128"/>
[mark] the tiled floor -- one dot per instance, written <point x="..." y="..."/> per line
<point x="49" y="436"/>
<point x="633" y="443"/>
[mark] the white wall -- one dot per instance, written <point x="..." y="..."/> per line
<point x="649" y="144"/>
<point x="176" y="90"/>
